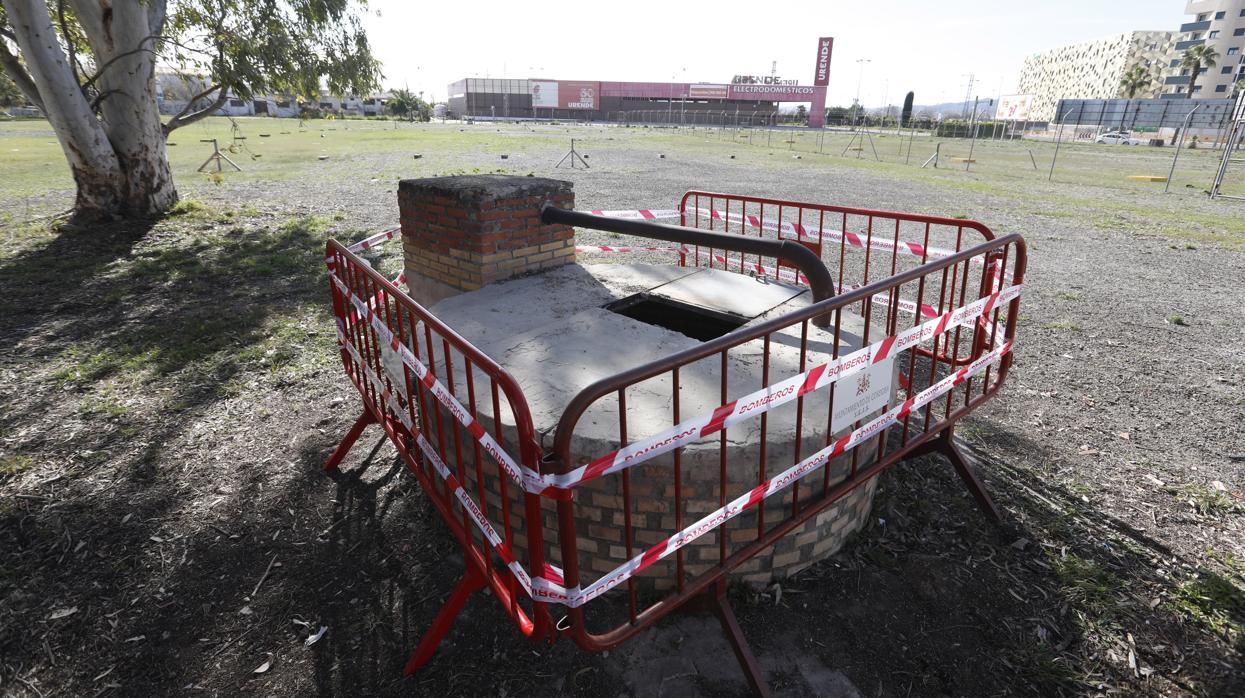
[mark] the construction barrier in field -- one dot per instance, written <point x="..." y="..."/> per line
<point x="519" y="510"/>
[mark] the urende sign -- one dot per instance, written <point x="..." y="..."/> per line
<point x="579" y="94"/>
<point x="821" y="75"/>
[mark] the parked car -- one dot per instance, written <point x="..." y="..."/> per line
<point x="1118" y="138"/>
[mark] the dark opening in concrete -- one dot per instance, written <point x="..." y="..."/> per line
<point x="695" y="322"/>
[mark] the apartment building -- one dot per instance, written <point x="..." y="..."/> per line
<point x="1095" y="69"/>
<point x="1221" y="25"/>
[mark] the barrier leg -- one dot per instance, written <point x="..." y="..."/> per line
<point x="714" y="599"/>
<point x="351" y="436"/>
<point x="945" y="444"/>
<point x="471" y="582"/>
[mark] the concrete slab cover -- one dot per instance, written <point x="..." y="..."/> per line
<point x="728" y="292"/>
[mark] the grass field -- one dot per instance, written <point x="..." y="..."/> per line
<point x="1090" y="181"/>
<point x="170" y="388"/>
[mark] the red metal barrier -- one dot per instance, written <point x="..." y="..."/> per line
<point x="380" y="356"/>
<point x="693" y="503"/>
<point x="853" y="242"/>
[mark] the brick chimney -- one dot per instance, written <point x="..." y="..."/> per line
<point x="461" y="233"/>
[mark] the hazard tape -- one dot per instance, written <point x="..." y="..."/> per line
<point x="857" y="240"/>
<point x="690" y="431"/>
<point x="905" y="305"/>
<point x="377" y="239"/>
<point x="605" y="248"/>
<point x="525" y="477"/>
<point x="547" y="590"/>
<point x="456" y="487"/>
<point x="639" y="215"/>
<point x="773" y="396"/>
<point x="810" y="233"/>
<point x="550" y="586"/>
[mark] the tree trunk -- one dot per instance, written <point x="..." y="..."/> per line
<point x="82" y="138"/>
<point x="124" y="44"/>
<point x="117" y="158"/>
<point x="1197" y="68"/>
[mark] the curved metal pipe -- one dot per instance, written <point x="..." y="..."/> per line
<point x="790" y="251"/>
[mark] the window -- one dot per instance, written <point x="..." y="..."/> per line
<point x="1220" y="15"/>
<point x="1197" y="88"/>
<point x="1239" y="32"/>
<point x="1233" y="51"/>
<point x="237" y="103"/>
<point x="1175" y="62"/>
<point x="1202" y="17"/>
<point x="1213" y="35"/>
<point x="1226" y="69"/>
<point x="1221" y="88"/>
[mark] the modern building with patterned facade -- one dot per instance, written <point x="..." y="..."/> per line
<point x="1221" y="25"/>
<point x="1094" y="69"/>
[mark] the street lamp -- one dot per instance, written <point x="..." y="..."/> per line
<point x="859" y="81"/>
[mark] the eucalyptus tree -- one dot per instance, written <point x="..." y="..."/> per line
<point x="90" y="66"/>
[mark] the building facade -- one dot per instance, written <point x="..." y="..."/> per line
<point x="1095" y="69"/>
<point x="1219" y="24"/>
<point x="640" y="102"/>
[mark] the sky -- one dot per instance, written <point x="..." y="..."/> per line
<point x="929" y="47"/>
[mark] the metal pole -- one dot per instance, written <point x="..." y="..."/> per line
<point x="968" y="162"/>
<point x="1180" y="144"/>
<point x="1058" y="142"/>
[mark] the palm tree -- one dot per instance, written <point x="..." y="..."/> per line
<point x="406" y="104"/>
<point x="1196" y="58"/>
<point x="1238" y="88"/>
<point x="1137" y="79"/>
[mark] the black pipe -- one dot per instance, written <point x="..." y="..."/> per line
<point x="790" y="251"/>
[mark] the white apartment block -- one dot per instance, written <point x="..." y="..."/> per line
<point x="1094" y="69"/>
<point x="1216" y="23"/>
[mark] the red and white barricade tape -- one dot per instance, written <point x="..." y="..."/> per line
<point x="771" y="397"/>
<point x="469" y="505"/>
<point x="607" y="248"/>
<point x="377" y="239"/>
<point x="547" y="590"/>
<point x="639" y="215"/>
<point x="549" y="586"/>
<point x="523" y="476"/>
<point x="689" y="431"/>
<point x="858" y="240"/>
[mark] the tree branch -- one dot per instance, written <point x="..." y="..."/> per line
<point x="73" y="50"/>
<point x="185" y="117"/>
<point x="119" y="56"/>
<point x="18" y="74"/>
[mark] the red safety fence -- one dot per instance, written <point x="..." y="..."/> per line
<point x="404" y="363"/>
<point x="666" y="478"/>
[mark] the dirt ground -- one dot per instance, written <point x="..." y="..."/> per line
<point x="169" y="390"/>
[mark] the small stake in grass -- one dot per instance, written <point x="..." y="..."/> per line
<point x="573" y="156"/>
<point x="216" y="156"/>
